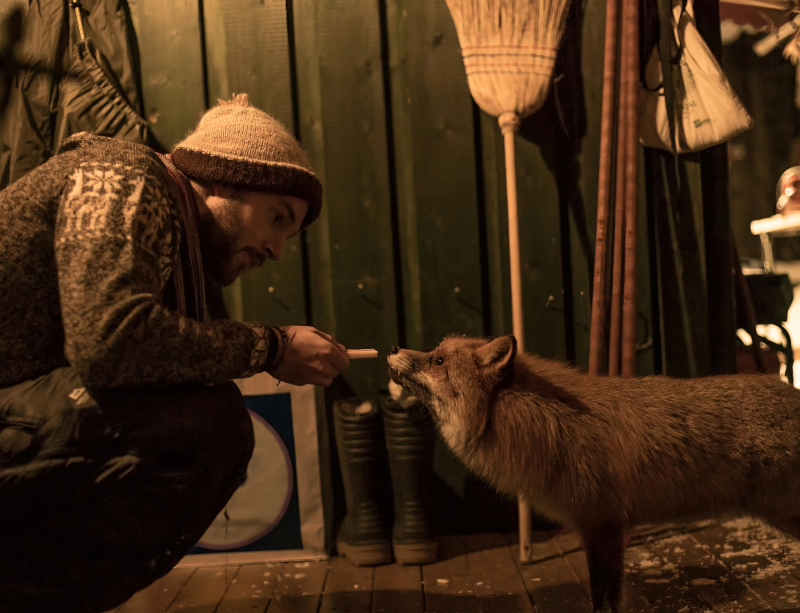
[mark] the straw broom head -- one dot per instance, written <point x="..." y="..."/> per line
<point x="509" y="49"/>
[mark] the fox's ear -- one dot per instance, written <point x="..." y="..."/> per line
<point x="497" y="355"/>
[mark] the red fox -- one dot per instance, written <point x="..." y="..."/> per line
<point x="600" y="454"/>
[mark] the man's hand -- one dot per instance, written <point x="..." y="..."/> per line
<point x="311" y="357"/>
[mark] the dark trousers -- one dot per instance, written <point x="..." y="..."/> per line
<point x="103" y="493"/>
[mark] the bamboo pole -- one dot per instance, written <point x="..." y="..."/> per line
<point x="619" y="229"/>
<point x="597" y="336"/>
<point x="631" y="40"/>
<point x="509" y="126"/>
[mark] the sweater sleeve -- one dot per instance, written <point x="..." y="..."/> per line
<point x="115" y="240"/>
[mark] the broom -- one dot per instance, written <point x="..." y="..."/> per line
<point x="509" y="50"/>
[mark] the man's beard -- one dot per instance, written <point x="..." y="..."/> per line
<point x="220" y="239"/>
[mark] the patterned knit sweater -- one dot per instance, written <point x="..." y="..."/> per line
<point x="89" y="240"/>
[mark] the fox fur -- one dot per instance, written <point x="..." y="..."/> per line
<point x="600" y="454"/>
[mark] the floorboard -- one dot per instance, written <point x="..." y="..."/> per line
<point x="705" y="567"/>
<point x="499" y="587"/>
<point x="398" y="589"/>
<point x="549" y="581"/>
<point x="160" y="595"/>
<point x="250" y="591"/>
<point x="204" y="590"/>
<point x="448" y="584"/>
<point x="348" y="588"/>
<point x="298" y="586"/>
<point x="759" y="557"/>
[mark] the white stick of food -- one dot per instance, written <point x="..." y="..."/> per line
<point x="360" y="354"/>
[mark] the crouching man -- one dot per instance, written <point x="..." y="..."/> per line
<point x="121" y="433"/>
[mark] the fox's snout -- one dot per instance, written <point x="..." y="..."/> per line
<point x="402" y="363"/>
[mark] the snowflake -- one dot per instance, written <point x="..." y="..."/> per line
<point x="104" y="181"/>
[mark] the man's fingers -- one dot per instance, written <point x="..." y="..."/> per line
<point x="340" y="361"/>
<point x="330" y="339"/>
<point x="328" y="371"/>
<point x="322" y="380"/>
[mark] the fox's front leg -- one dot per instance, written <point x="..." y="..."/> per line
<point x="605" y="557"/>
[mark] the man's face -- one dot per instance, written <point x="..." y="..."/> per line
<point x="239" y="233"/>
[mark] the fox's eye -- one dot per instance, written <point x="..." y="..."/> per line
<point x="439" y="361"/>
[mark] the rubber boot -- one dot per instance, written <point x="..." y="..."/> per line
<point x="364" y="534"/>
<point x="410" y="441"/>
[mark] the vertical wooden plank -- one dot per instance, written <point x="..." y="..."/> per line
<point x="647" y="326"/>
<point x="717" y="224"/>
<point x="173" y="90"/>
<point x="159" y="595"/>
<point x="247" y="50"/>
<point x="587" y="24"/>
<point x="397" y="589"/>
<point x="434" y="147"/>
<point x="343" y="125"/>
<point x="308" y="51"/>
<point x="250" y="591"/>
<point x="540" y="242"/>
<point x="681" y="266"/>
<point x="296" y="590"/>
<point x="496" y="228"/>
<point x="348" y="588"/>
<point x="204" y="590"/>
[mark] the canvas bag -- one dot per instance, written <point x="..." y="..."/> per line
<point x="707" y="110"/>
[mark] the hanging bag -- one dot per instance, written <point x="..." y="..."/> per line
<point x="707" y="110"/>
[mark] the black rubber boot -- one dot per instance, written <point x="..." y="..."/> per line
<point x="410" y="441"/>
<point x="364" y="534"/>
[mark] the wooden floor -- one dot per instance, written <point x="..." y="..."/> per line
<point x="728" y="567"/>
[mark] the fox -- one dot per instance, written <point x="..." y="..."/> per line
<point x="601" y="455"/>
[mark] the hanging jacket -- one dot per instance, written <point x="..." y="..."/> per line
<point x="72" y="82"/>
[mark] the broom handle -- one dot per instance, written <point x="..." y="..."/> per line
<point x="597" y="340"/>
<point x="509" y="125"/>
<point x="631" y="39"/>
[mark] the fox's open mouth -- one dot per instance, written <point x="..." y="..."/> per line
<point x="395" y="376"/>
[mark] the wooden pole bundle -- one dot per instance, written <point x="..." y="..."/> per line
<point x="622" y="328"/>
<point x="597" y="330"/>
<point x="509" y="50"/>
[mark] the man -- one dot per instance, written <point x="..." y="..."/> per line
<point x="121" y="433"/>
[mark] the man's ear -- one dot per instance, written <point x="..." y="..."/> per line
<point x="498" y="355"/>
<point x="228" y="192"/>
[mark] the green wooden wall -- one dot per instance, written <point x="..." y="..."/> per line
<point x="411" y="245"/>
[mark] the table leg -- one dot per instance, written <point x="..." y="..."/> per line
<point x="766" y="254"/>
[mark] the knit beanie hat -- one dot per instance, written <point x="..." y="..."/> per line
<point x="237" y="144"/>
